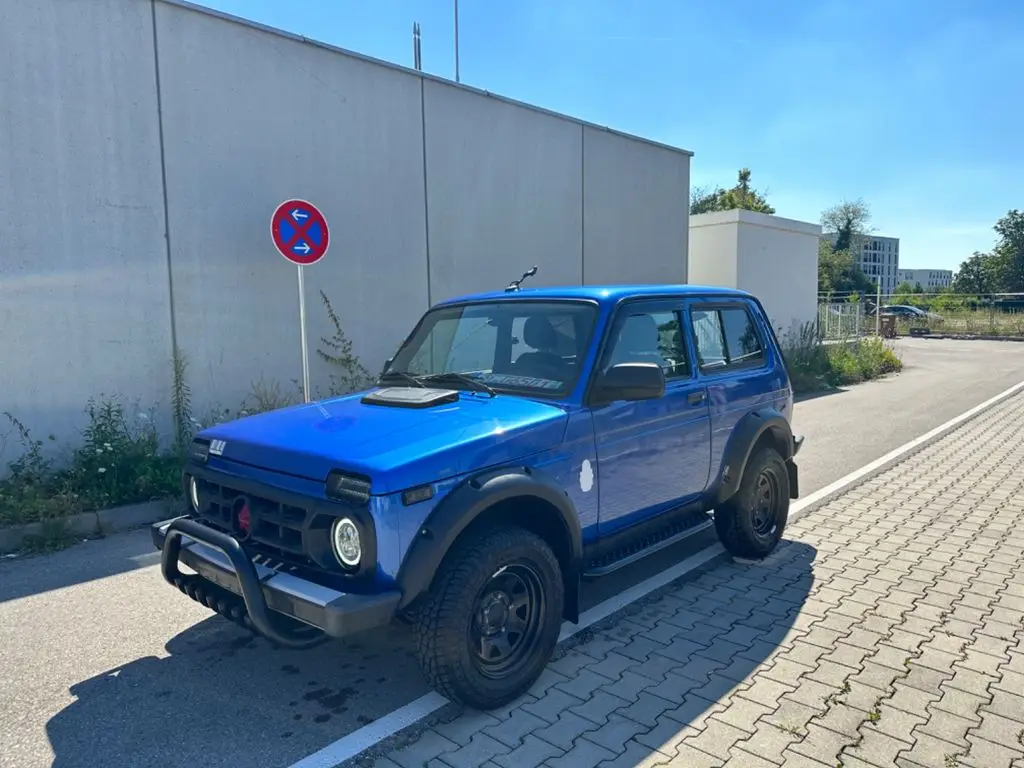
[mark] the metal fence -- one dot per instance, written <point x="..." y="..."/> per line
<point x="840" y="320"/>
<point x="851" y="315"/>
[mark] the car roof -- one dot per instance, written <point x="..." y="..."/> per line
<point x="603" y="294"/>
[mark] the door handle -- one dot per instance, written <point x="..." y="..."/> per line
<point x="696" y="398"/>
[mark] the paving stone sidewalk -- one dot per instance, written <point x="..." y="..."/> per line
<point x="888" y="630"/>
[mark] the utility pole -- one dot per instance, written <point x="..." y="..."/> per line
<point x="457" y="41"/>
<point x="878" y="309"/>
<point x="417" y="61"/>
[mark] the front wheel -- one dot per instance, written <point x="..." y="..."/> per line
<point x="751" y="523"/>
<point x="490" y="623"/>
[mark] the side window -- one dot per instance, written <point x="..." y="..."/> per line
<point x="726" y="338"/>
<point x="707" y="330"/>
<point x="741" y="340"/>
<point x="650" y="337"/>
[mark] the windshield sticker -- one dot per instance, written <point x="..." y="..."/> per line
<point x="526" y="382"/>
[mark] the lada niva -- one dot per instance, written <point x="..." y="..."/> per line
<point x="518" y="442"/>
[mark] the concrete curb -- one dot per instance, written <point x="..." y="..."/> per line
<point x="87" y="524"/>
<point x="965" y="337"/>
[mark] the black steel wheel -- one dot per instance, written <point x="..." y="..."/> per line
<point x="490" y="622"/>
<point x="506" y="620"/>
<point x="766" y="503"/>
<point x="751" y="523"/>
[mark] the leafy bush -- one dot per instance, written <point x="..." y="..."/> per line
<point x="118" y="462"/>
<point x="349" y="374"/>
<point x="816" y="366"/>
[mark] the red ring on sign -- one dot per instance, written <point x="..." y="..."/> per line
<point x="298" y="247"/>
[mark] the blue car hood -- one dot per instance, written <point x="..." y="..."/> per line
<point x="396" y="447"/>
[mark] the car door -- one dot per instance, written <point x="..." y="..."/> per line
<point x="734" y="362"/>
<point x="655" y="454"/>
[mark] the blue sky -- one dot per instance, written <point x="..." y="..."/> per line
<point x="916" y="106"/>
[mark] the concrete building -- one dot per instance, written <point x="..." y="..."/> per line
<point x="928" y="279"/>
<point x="144" y="145"/>
<point x="772" y="257"/>
<point x="878" y="257"/>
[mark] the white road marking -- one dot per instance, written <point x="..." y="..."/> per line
<point x="383" y="728"/>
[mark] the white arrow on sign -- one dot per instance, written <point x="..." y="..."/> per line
<point x="299" y="215"/>
<point x="302" y="247"/>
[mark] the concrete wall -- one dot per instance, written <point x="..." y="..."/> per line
<point x="84" y="304"/>
<point x="145" y="143"/>
<point x="772" y="257"/>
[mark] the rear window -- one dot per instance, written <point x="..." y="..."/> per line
<point x="727" y="337"/>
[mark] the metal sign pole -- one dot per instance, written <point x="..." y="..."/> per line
<point x="302" y="334"/>
<point x="299" y="231"/>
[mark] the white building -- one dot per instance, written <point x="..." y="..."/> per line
<point x="878" y="257"/>
<point x="772" y="257"/>
<point x="928" y="279"/>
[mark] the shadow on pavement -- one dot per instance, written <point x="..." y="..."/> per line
<point x="662" y="663"/>
<point x="819" y="394"/>
<point x="696" y="642"/>
<point x="223" y="697"/>
<point x="80" y="563"/>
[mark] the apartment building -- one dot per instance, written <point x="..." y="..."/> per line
<point x="928" y="279"/>
<point x="878" y="257"/>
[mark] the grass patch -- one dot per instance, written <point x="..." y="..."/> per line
<point x="816" y="366"/>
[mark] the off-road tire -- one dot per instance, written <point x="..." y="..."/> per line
<point x="443" y="620"/>
<point x="735" y="518"/>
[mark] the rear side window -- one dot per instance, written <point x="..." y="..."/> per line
<point x="726" y="338"/>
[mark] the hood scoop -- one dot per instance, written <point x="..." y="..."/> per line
<point x="411" y="397"/>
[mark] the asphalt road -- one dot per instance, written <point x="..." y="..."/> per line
<point x="102" y="663"/>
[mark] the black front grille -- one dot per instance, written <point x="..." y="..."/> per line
<point x="284" y="534"/>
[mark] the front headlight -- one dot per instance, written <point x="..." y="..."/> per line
<point x="193" y="493"/>
<point x="345" y="542"/>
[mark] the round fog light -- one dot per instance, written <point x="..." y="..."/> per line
<point x="193" y="492"/>
<point x="345" y="541"/>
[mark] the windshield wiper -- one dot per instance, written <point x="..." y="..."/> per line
<point x="469" y="381"/>
<point x="403" y="376"/>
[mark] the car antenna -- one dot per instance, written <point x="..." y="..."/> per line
<point x="514" y="285"/>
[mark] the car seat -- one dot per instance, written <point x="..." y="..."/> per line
<point x="544" y="362"/>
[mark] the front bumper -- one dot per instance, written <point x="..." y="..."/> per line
<point x="267" y="597"/>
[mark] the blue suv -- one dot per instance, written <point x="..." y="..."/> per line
<point x="518" y="442"/>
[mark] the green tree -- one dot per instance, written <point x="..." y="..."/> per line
<point x="848" y="221"/>
<point x="906" y="293"/>
<point x="1001" y="270"/>
<point x="838" y="268"/>
<point x="978" y="274"/>
<point x="1009" y="251"/>
<point x="704" y="200"/>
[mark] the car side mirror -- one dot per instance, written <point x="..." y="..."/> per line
<point x="387" y="364"/>
<point x="631" y="381"/>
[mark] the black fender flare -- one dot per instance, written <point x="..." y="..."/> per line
<point x="465" y="504"/>
<point x="744" y="436"/>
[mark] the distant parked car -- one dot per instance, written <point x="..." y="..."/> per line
<point x="908" y="312"/>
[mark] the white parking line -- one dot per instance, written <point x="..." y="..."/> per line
<point x="362" y="739"/>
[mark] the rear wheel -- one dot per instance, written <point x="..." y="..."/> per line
<point x="491" y="621"/>
<point x="751" y="523"/>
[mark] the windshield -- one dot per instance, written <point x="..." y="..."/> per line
<point x="533" y="347"/>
